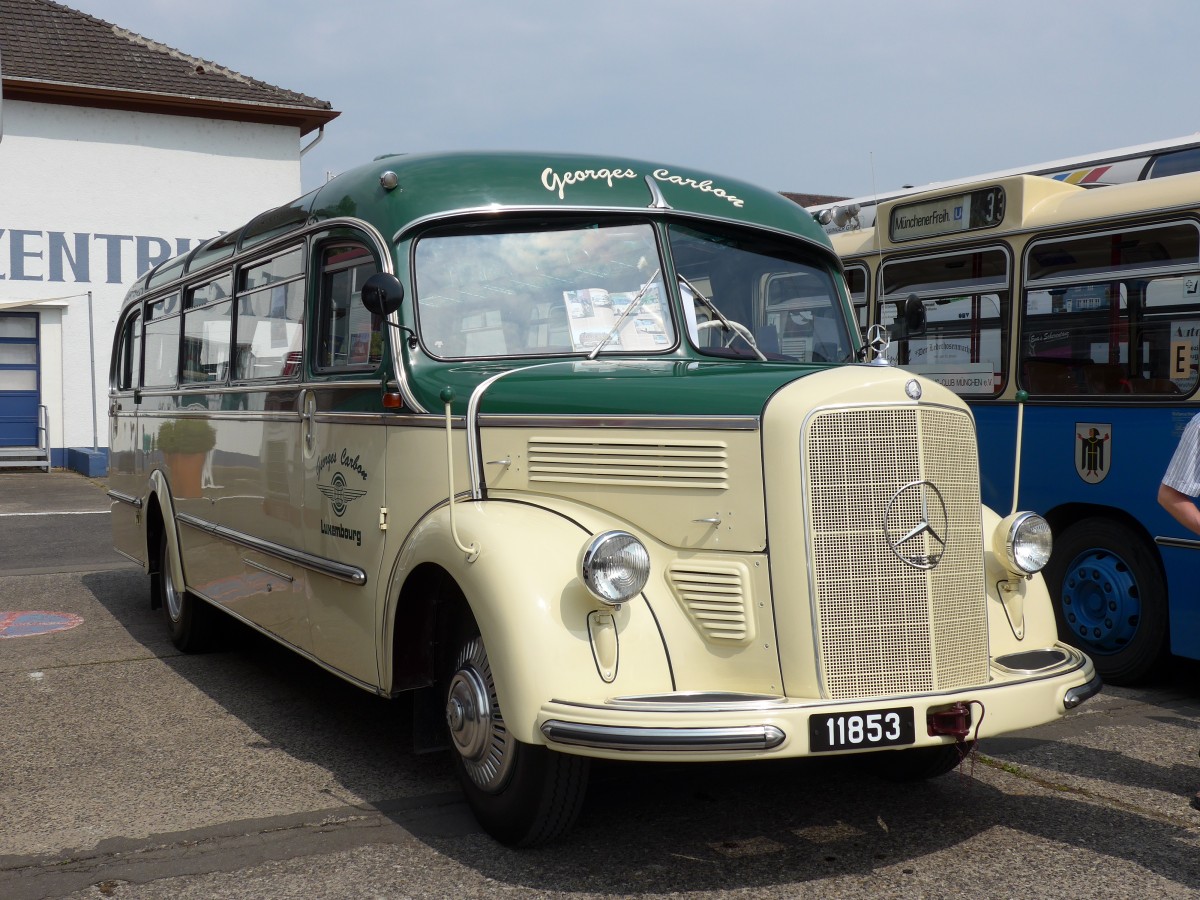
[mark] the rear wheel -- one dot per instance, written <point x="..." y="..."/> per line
<point x="190" y="621"/>
<point x="522" y="794"/>
<point x="1110" y="599"/>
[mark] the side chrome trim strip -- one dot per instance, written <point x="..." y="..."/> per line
<point x="342" y="572"/>
<point x="135" y="502"/>
<point x="1184" y="543"/>
<point x="609" y="737"/>
<point x="691" y="423"/>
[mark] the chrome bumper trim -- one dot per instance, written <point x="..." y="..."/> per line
<point x="608" y="737"/>
<point x="1077" y="695"/>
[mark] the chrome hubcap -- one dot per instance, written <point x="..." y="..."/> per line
<point x="172" y="597"/>
<point x="476" y="725"/>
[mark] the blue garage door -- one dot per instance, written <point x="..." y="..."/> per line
<point x="18" y="379"/>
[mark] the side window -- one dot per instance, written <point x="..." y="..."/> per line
<point x="966" y="297"/>
<point x="129" y="353"/>
<point x="162" y="342"/>
<point x="269" y="314"/>
<point x="348" y="336"/>
<point x="1113" y="313"/>
<point x="800" y="320"/>
<point x="856" y="285"/>
<point x="206" y="331"/>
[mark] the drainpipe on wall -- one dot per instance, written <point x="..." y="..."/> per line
<point x="92" y="370"/>
<point x="313" y="142"/>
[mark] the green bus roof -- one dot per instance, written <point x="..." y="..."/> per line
<point x="433" y="185"/>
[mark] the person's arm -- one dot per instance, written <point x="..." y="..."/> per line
<point x="1180" y="506"/>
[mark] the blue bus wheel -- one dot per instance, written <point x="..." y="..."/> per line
<point x="1110" y="599"/>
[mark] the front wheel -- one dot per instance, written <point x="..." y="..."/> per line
<point x="1110" y="599"/>
<point x="522" y="794"/>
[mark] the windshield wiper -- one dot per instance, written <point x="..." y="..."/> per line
<point x="633" y="305"/>
<point x="736" y="328"/>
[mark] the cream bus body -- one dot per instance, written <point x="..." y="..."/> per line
<point x="519" y="433"/>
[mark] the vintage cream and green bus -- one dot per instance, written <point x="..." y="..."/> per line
<point x="586" y="452"/>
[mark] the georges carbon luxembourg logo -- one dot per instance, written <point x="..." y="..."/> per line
<point x="915" y="524"/>
<point x="340" y="494"/>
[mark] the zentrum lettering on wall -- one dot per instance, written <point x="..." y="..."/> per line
<point x="82" y="257"/>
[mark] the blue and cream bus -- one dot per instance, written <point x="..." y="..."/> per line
<point x="1088" y="301"/>
<point x="1156" y="159"/>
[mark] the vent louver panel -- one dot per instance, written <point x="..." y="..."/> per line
<point x="885" y="627"/>
<point x="714" y="596"/>
<point x="661" y="464"/>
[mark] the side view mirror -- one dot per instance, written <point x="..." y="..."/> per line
<point x="382" y="294"/>
<point x="914" y="316"/>
<point x="910" y="319"/>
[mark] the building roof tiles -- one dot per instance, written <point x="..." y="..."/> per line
<point x="53" y="53"/>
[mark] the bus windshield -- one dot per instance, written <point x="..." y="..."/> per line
<point x="538" y="290"/>
<point x="749" y="296"/>
<point x="589" y="288"/>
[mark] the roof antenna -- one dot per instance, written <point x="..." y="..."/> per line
<point x="878" y="301"/>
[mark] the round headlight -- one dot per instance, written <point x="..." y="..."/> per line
<point x="615" y="567"/>
<point x="1029" y="543"/>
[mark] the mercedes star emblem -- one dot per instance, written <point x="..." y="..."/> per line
<point x="915" y="524"/>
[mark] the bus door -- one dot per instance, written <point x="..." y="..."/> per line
<point x="126" y="455"/>
<point x="254" y="475"/>
<point x="344" y="448"/>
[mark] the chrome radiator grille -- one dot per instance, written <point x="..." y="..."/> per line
<point x="885" y="626"/>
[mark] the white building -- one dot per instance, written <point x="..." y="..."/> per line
<point x="116" y="153"/>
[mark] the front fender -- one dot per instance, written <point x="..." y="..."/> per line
<point x="532" y="608"/>
<point x="1021" y="618"/>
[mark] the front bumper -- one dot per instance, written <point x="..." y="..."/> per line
<point x="730" y="726"/>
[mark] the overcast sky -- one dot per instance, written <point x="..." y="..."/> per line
<point x="818" y="96"/>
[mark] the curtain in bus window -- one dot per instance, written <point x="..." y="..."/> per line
<point x="966" y="299"/>
<point x="1113" y="313"/>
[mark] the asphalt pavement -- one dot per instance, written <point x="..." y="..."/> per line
<point x="48" y="521"/>
<point x="129" y="770"/>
